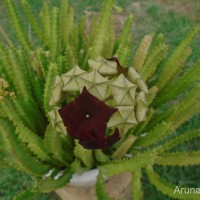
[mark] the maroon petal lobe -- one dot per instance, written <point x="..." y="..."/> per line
<point x="83" y="129"/>
<point x="94" y="107"/>
<point x="93" y="133"/>
<point x="94" y="142"/>
<point x="115" y="137"/>
<point x="86" y="107"/>
<point x="86" y="119"/>
<point x="120" y="69"/>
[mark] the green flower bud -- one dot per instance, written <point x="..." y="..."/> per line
<point x="95" y="83"/>
<point x="134" y="77"/>
<point x="103" y="66"/>
<point x="57" y="94"/>
<point x="56" y="121"/>
<point x="123" y="119"/>
<point x="72" y="78"/>
<point x="4" y="89"/>
<point x="151" y="95"/>
<point x="141" y="106"/>
<point x="123" y="91"/>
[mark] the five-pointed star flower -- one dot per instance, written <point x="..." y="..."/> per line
<point x="57" y="94"/>
<point x="123" y="91"/>
<point x="124" y="119"/>
<point x="86" y="120"/>
<point x="56" y="121"/>
<point x="104" y="66"/>
<point x="96" y="84"/>
<point x="71" y="79"/>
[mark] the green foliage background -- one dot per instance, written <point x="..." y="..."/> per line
<point x="167" y="17"/>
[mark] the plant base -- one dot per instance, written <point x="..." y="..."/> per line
<point x="117" y="187"/>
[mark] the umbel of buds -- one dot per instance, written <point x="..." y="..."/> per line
<point x="100" y="105"/>
<point x="4" y="89"/>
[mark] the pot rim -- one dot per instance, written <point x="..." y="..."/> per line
<point x="86" y="179"/>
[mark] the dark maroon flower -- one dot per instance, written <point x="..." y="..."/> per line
<point x="120" y="69"/>
<point x="86" y="120"/>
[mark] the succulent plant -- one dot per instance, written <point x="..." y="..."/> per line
<point x="145" y="100"/>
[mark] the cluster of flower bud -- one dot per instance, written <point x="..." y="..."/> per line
<point x="119" y="87"/>
<point x="4" y="89"/>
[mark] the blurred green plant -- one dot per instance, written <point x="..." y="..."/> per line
<point x="51" y="45"/>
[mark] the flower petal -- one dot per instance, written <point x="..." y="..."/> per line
<point x="86" y="119"/>
<point x="115" y="137"/>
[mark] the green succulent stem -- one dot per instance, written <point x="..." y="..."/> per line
<point x="52" y="57"/>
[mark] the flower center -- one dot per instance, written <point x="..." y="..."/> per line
<point x="87" y="115"/>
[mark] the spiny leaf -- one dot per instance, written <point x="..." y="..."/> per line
<point x="101" y="157"/>
<point x="81" y="34"/>
<point x="17" y="74"/>
<point x="67" y="143"/>
<point x="63" y="22"/>
<point x="6" y="152"/>
<point x="166" y="188"/>
<point x="184" y="57"/>
<point x="123" y="166"/>
<point x="142" y="51"/>
<point x="52" y="143"/>
<point x="27" y="194"/>
<point x="17" y="25"/>
<point x="139" y="129"/>
<point x="7" y="108"/>
<point x="102" y="28"/>
<point x="100" y="188"/>
<point x="52" y="72"/>
<point x="31" y="18"/>
<point x="136" y="185"/>
<point x="6" y="37"/>
<point x="179" y="86"/>
<point x="172" y="65"/>
<point x="179" y="158"/>
<point x="37" y="89"/>
<point x="189" y="106"/>
<point x="155" y="135"/>
<point x="92" y="30"/>
<point x="155" y="56"/>
<point x="78" y="168"/>
<point x="54" y="44"/>
<point x="125" y="31"/>
<point x="24" y="160"/>
<point x="49" y="184"/>
<point x="178" y="113"/>
<point x="33" y="141"/>
<point x="69" y="58"/>
<point x="189" y="135"/>
<point x="110" y="41"/>
<point x="29" y="112"/>
<point x="27" y="117"/>
<point x="74" y="40"/>
<point x="85" y="155"/>
<point x="124" y="147"/>
<point x="124" y="44"/>
<point x="45" y="21"/>
<point x="3" y="65"/>
<point x="69" y="26"/>
<point x="23" y="65"/>
<point x="61" y="64"/>
<point x="33" y="109"/>
<point x="40" y="59"/>
<point x="123" y="53"/>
